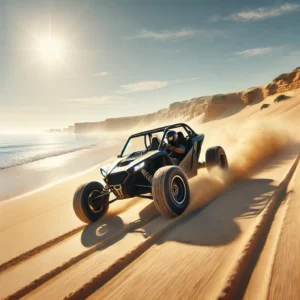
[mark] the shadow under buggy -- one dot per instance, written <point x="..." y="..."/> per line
<point x="145" y="166"/>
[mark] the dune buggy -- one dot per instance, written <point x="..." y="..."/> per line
<point x="145" y="166"/>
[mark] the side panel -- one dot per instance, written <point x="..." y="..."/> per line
<point x="190" y="163"/>
<point x="199" y="140"/>
<point x="187" y="162"/>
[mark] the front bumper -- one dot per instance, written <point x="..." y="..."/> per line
<point x="117" y="184"/>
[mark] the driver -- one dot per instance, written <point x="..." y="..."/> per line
<point x="175" y="146"/>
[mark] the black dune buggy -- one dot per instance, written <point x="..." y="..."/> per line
<point x="145" y="166"/>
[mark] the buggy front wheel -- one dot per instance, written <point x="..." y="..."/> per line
<point x="170" y="191"/>
<point x="90" y="202"/>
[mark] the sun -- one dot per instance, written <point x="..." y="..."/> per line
<point x="50" y="49"/>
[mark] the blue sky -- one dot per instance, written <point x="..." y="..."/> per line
<point x="121" y="58"/>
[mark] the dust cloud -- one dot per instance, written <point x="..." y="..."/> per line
<point x="247" y="146"/>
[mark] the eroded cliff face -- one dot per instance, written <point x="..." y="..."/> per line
<point x="281" y="84"/>
<point x="252" y="95"/>
<point x="207" y="107"/>
<point x="288" y="82"/>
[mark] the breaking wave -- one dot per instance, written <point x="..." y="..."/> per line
<point x="21" y="160"/>
<point x="16" y="150"/>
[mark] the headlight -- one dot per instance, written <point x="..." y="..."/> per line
<point x="104" y="170"/>
<point x="139" y="166"/>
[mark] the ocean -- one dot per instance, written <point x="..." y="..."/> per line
<point x="20" y="149"/>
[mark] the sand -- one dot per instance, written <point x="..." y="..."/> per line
<point x="134" y="253"/>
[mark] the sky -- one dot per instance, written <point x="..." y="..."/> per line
<point x="71" y="61"/>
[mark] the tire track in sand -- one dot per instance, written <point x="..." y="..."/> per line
<point x="54" y="272"/>
<point x="238" y="279"/>
<point x="102" y="278"/>
<point x="26" y="255"/>
<point x="37" y="250"/>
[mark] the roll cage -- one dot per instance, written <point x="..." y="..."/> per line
<point x="190" y="132"/>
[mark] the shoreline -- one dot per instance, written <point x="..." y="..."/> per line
<point x="31" y="177"/>
<point x="43" y="156"/>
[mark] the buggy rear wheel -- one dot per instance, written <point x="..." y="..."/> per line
<point x="170" y="191"/>
<point x="216" y="157"/>
<point x="90" y="202"/>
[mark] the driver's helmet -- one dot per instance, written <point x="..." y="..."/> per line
<point x="172" y="136"/>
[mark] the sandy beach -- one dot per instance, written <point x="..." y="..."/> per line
<point x="48" y="253"/>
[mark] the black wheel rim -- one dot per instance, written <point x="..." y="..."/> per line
<point x="178" y="190"/>
<point x="95" y="201"/>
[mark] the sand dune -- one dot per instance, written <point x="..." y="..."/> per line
<point x="134" y="253"/>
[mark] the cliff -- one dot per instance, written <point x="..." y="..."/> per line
<point x="207" y="107"/>
<point x="108" y="124"/>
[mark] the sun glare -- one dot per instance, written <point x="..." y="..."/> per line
<point x="50" y="50"/>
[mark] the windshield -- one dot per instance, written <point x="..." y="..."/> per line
<point x="136" y="144"/>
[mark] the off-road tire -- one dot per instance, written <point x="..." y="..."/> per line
<point x="216" y="157"/>
<point x="169" y="200"/>
<point x="81" y="204"/>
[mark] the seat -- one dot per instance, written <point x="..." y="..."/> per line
<point x="185" y="142"/>
<point x="181" y="137"/>
<point x="154" y="144"/>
